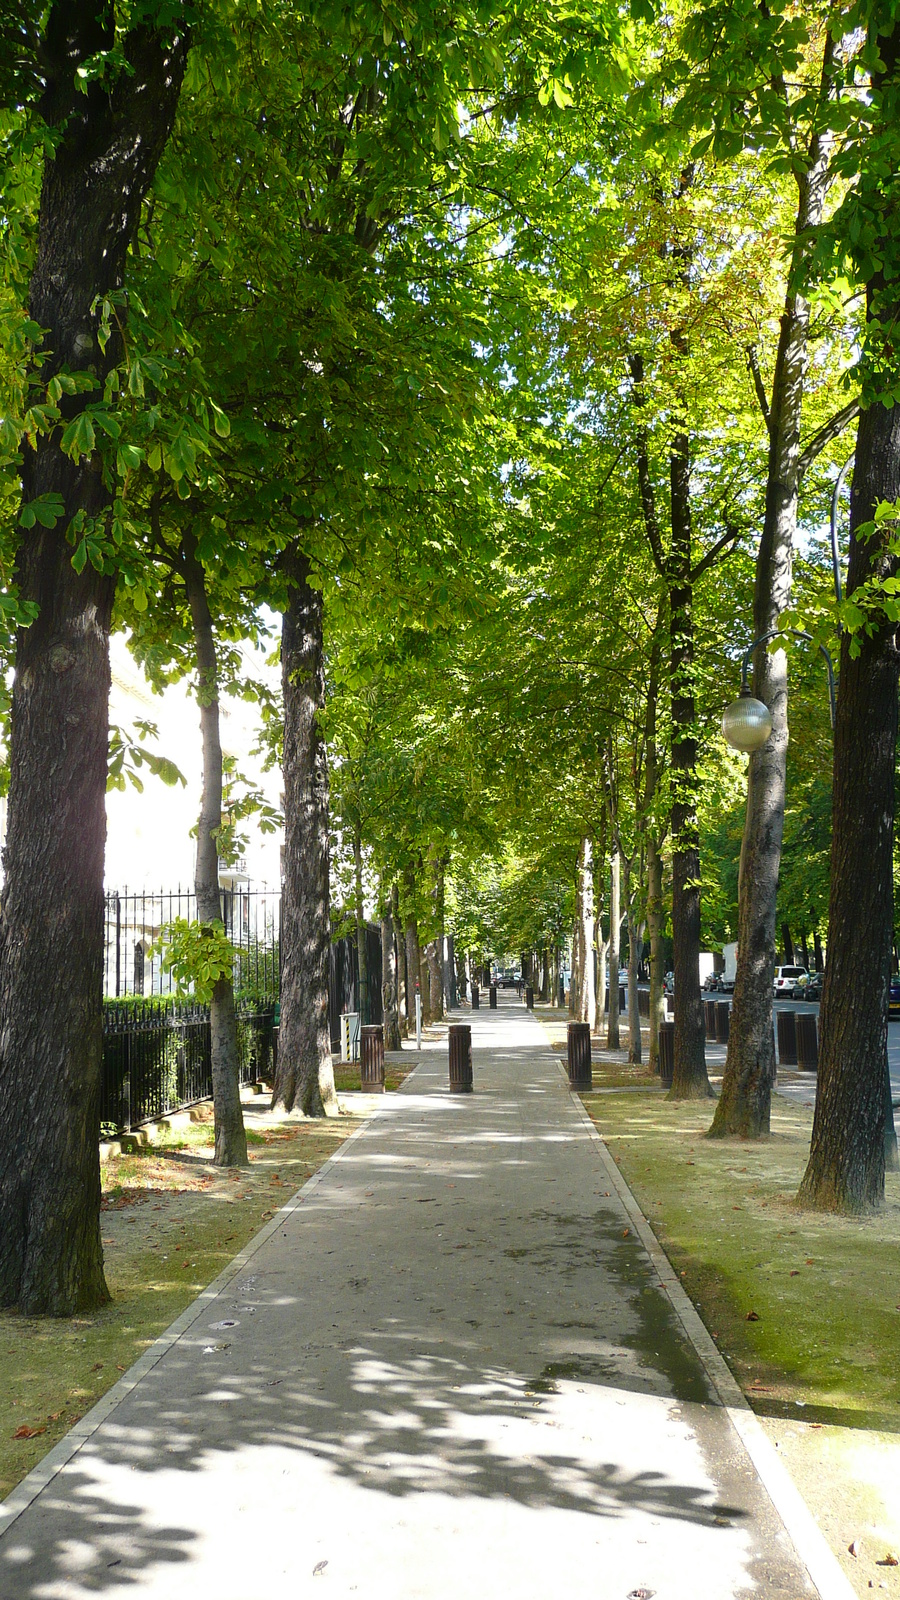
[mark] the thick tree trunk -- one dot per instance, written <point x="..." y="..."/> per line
<point x="635" y="939"/>
<point x="362" y="964"/>
<point x="615" y="924"/>
<point x="109" y="135"/>
<point x="231" y="1141"/>
<point x="403" y="1004"/>
<point x="305" y="1076"/>
<point x="583" y="976"/>
<point x="601" y="984"/>
<point x="389" y="984"/>
<point x="689" y="1078"/>
<point x="847" y="1154"/>
<point x="817" y="951"/>
<point x="656" y="921"/>
<point x="413" y="956"/>
<point x="788" y="944"/>
<point x="545" y="976"/>
<point x="744" y="1104"/>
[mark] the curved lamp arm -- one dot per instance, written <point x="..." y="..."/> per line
<point x="797" y="633"/>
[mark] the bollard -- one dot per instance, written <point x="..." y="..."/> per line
<point x="460" y="1058"/>
<point x="529" y="998"/>
<point x="723" y="1011"/>
<point x="371" y="1058"/>
<point x="807" y="1041"/>
<point x="710" y="1009"/>
<point x="492" y="997"/>
<point x="578" y="1041"/>
<point x="666" y="1053"/>
<point x="786" y="1022"/>
<point x="476" y="997"/>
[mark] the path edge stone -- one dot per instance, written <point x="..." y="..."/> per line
<point x="810" y="1543"/>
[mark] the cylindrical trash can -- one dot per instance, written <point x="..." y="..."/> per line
<point x="723" y="1015"/>
<point x="807" y="1041"/>
<point x="666" y="1053"/>
<point x="710" y="1008"/>
<point x="786" y="1024"/>
<point x="529" y="998"/>
<point x="492" y="992"/>
<point x="371" y="1058"/>
<point x="476" y="997"/>
<point x="460" y="1058"/>
<point x="578" y="1039"/>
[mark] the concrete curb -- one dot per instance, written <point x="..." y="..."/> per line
<point x="809" y="1541"/>
<point x="38" y="1478"/>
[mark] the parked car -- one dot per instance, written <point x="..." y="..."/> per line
<point x="507" y="978"/>
<point x="808" y="988"/>
<point x="623" y="975"/>
<point x="711" y="981"/>
<point x="894" y="996"/>
<point x="786" y="977"/>
<point x="725" y="985"/>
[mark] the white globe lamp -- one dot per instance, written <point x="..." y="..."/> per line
<point x="746" y="723"/>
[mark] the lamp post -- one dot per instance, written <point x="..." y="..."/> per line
<point x="747" y="722"/>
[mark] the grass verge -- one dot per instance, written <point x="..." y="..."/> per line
<point x="804" y="1307"/>
<point x="170" y="1223"/>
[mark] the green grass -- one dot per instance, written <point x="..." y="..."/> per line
<point x="822" y="1293"/>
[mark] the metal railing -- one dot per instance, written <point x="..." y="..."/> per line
<point x="134" y="924"/>
<point x="157" y="1057"/>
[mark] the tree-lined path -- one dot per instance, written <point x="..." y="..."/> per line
<point x="449" y="1370"/>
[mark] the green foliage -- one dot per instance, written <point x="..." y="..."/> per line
<point x="197" y="955"/>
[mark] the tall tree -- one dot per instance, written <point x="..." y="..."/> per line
<point x="105" y="94"/>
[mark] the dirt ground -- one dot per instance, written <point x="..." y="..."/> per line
<point x="805" y="1308"/>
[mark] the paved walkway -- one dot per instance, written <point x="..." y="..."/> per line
<point x="448" y="1372"/>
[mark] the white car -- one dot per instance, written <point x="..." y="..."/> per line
<point x="786" y="977"/>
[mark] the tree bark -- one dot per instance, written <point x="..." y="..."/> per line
<point x="231" y="1140"/>
<point x="583" y="980"/>
<point x="403" y="1005"/>
<point x="108" y="139"/>
<point x="389" y="984"/>
<point x="689" y="1077"/>
<point x="305" y="1076"/>
<point x="744" y="1104"/>
<point x="362" y="963"/>
<point x="852" y="1121"/>
<point x="615" y="922"/>
<point x="656" y="920"/>
<point x="788" y="944"/>
<point x="413" y="955"/>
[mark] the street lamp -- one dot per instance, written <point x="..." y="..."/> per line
<point x="747" y="722"/>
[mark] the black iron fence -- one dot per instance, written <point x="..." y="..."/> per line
<point x="156" y="1049"/>
<point x="157" y="1056"/>
<point x="135" y="926"/>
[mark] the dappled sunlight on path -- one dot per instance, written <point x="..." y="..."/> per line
<point x="448" y="1370"/>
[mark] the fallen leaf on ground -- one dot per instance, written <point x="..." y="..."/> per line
<point x="890" y="1560"/>
<point x="28" y="1433"/>
<point x="752" y="1316"/>
<point x="855" y="1547"/>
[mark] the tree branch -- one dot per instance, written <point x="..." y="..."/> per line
<point x="725" y="545"/>
<point x="759" y="386"/>
<point x="825" y="435"/>
<point x="645" y="481"/>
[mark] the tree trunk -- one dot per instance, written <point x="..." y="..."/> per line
<point x="389" y="984"/>
<point x="231" y="1141"/>
<point x="847" y="1155"/>
<point x="615" y="923"/>
<point x="413" y="954"/>
<point x="744" y="1105"/>
<point x="788" y="944"/>
<point x="635" y="937"/>
<point x="817" y="951"/>
<point x="403" y="1005"/>
<point x="305" y="1077"/>
<point x="108" y="137"/>
<point x="656" y="920"/>
<point x="583" y="977"/>
<point x="689" y="1078"/>
<point x="362" y="964"/>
